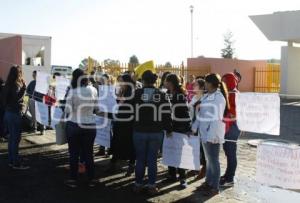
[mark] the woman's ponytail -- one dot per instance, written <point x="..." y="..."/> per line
<point x="224" y="91"/>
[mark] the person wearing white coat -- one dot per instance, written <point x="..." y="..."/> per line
<point x="211" y="129"/>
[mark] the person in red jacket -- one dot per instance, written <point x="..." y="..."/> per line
<point x="232" y="132"/>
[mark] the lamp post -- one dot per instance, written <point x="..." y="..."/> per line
<point x="192" y="30"/>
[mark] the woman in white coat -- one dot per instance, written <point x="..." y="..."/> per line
<point x="211" y="129"/>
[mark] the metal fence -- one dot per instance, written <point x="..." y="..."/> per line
<point x="267" y="79"/>
<point x="180" y="70"/>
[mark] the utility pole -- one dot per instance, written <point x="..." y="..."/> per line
<point x="192" y="31"/>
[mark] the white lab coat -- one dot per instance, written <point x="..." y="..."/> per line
<point x="209" y="121"/>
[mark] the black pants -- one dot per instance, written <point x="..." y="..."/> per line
<point x="202" y="156"/>
<point x="81" y="142"/>
<point x="230" y="149"/>
<point x="173" y="171"/>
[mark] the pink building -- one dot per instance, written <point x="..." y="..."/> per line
<point x="222" y="66"/>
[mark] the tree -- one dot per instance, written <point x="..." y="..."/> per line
<point x="229" y="50"/>
<point x="111" y="63"/>
<point x="134" y="60"/>
<point x="168" y="65"/>
<point x="112" y="67"/>
<point x="85" y="62"/>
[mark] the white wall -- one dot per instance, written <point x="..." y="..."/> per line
<point x="290" y="71"/>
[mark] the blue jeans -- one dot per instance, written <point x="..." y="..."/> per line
<point x="81" y="143"/>
<point x="212" y="164"/>
<point x="13" y="122"/>
<point x="146" y="146"/>
<point x="230" y="151"/>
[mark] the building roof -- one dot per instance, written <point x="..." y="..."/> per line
<point x="6" y="35"/>
<point x="279" y="26"/>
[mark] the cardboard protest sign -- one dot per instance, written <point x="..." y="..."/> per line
<point x="107" y="99"/>
<point x="103" y="131"/>
<point x="181" y="151"/>
<point x="61" y="87"/>
<point x="56" y="114"/>
<point x="258" y="112"/>
<point x="42" y="82"/>
<point x="42" y="113"/>
<point x="278" y="165"/>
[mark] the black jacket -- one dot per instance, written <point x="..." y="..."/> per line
<point x="181" y="120"/>
<point x="152" y="111"/>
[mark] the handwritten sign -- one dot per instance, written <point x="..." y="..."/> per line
<point x="258" y="112"/>
<point x="42" y="82"/>
<point x="41" y="113"/>
<point x="103" y="131"/>
<point x="181" y="151"/>
<point x="56" y="114"/>
<point x="61" y="87"/>
<point x="107" y="99"/>
<point x="278" y="165"/>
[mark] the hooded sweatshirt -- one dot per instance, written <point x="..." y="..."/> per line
<point x="231" y="82"/>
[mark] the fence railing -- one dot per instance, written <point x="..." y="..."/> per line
<point x="267" y="79"/>
<point x="180" y="70"/>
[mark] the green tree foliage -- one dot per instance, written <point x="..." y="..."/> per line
<point x="228" y="51"/>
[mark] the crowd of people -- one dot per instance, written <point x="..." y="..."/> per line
<point x="147" y="113"/>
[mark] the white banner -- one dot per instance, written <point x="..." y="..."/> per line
<point x="258" y="112"/>
<point x="42" y="113"/>
<point x="61" y="87"/>
<point x="42" y="82"/>
<point x="181" y="151"/>
<point x="107" y="99"/>
<point x="56" y="114"/>
<point x="103" y="131"/>
<point x="278" y="165"/>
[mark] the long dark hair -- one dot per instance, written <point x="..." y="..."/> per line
<point x="14" y="80"/>
<point x="129" y="85"/>
<point x="163" y="78"/>
<point x="79" y="78"/>
<point x="14" y="77"/>
<point x="200" y="82"/>
<point x="215" y="80"/>
<point x="175" y="81"/>
<point x="149" y="78"/>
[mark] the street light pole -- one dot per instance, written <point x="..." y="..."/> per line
<point x="192" y="30"/>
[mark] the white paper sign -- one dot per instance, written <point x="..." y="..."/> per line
<point x="278" y="165"/>
<point x="103" y="131"/>
<point x="42" y="82"/>
<point x="258" y="112"/>
<point x="42" y="113"/>
<point x="181" y="151"/>
<point x="107" y="99"/>
<point x="61" y="87"/>
<point x="56" y="114"/>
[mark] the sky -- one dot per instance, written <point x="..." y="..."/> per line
<point x="156" y="30"/>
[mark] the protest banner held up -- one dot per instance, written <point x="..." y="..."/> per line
<point x="181" y="151"/>
<point x="107" y="99"/>
<point x="103" y="131"/>
<point x="42" y="113"/>
<point x="42" y="82"/>
<point x="258" y="112"/>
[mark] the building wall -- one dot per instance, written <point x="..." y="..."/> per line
<point x="12" y="47"/>
<point x="290" y="71"/>
<point x="222" y="66"/>
<point x="10" y="53"/>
